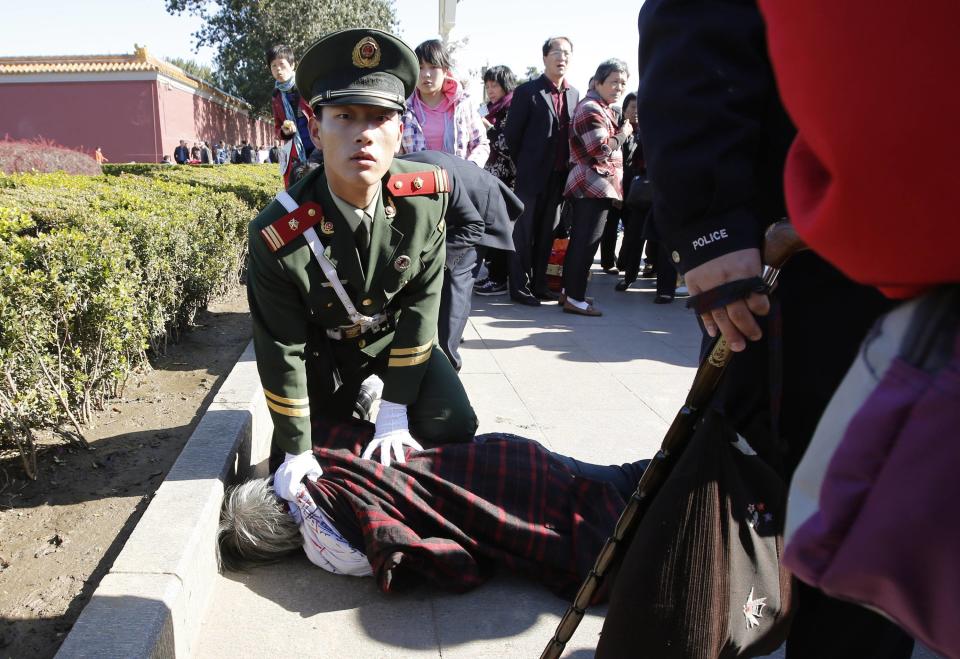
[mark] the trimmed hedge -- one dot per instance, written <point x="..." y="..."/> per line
<point x="94" y="271"/>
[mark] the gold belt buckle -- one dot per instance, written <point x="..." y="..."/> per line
<point x="352" y="332"/>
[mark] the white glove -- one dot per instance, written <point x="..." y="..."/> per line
<point x="392" y="434"/>
<point x="290" y="474"/>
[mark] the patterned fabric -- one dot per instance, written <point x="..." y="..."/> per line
<point x="500" y="164"/>
<point x="468" y="139"/>
<point x="324" y="545"/>
<point x="595" y="154"/>
<point x="451" y="514"/>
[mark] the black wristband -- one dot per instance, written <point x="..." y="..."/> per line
<point x="724" y="294"/>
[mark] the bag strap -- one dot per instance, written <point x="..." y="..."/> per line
<point x="929" y="340"/>
<point x="329" y="271"/>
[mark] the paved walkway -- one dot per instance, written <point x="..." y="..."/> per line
<point x="600" y="389"/>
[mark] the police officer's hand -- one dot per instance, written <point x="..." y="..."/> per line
<point x="736" y="320"/>
<point x="290" y="474"/>
<point x="392" y="434"/>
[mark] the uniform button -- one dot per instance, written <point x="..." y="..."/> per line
<point x="367" y="302"/>
<point x="362" y="343"/>
<point x="329" y="304"/>
<point x="316" y="354"/>
<point x="675" y="257"/>
<point x="311" y="212"/>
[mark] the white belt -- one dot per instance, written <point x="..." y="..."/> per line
<point x="329" y="271"/>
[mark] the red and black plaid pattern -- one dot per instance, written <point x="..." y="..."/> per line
<point x="595" y="156"/>
<point x="451" y="514"/>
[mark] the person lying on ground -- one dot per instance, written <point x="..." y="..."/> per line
<point x="449" y="515"/>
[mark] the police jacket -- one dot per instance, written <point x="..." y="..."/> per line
<point x="714" y="158"/>
<point x="292" y="303"/>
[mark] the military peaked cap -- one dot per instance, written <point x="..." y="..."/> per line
<point x="360" y="66"/>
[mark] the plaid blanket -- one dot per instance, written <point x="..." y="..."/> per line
<point x="451" y="514"/>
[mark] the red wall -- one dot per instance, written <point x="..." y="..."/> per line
<point x="118" y="117"/>
<point x="189" y="117"/>
<point x="130" y="121"/>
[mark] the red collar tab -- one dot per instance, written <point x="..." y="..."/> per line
<point x="291" y="225"/>
<point x="431" y="181"/>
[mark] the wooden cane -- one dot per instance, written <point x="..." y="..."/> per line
<point x="780" y="243"/>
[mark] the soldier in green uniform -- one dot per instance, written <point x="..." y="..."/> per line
<point x="346" y="267"/>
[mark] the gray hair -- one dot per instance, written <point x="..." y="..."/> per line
<point x="609" y="67"/>
<point x="255" y="527"/>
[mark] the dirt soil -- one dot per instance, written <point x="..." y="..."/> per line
<point x="59" y="535"/>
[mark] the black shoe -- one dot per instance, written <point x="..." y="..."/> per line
<point x="490" y="288"/>
<point x="663" y="299"/>
<point x="546" y="295"/>
<point x="525" y="298"/>
<point x="610" y="269"/>
<point x="622" y="285"/>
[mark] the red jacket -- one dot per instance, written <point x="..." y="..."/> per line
<point x="872" y="179"/>
<point x="280" y="115"/>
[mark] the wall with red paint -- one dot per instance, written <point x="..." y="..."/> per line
<point x="190" y="117"/>
<point x="140" y="120"/>
<point x="117" y="116"/>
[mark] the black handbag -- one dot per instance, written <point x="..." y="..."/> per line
<point x="640" y="194"/>
<point x="702" y="578"/>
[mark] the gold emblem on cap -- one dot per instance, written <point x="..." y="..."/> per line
<point x="366" y="54"/>
<point x="293" y="224"/>
<point x="417" y="183"/>
<point x="327" y="228"/>
<point x="402" y="263"/>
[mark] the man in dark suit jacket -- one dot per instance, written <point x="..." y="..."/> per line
<point x="537" y="132"/>
<point x="247" y="154"/>
<point x="480" y="214"/>
<point x="181" y="154"/>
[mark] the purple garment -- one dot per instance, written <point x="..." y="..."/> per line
<point x="887" y="532"/>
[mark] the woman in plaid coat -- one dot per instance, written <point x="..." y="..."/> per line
<point x="595" y="182"/>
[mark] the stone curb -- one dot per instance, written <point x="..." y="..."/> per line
<point x="152" y="601"/>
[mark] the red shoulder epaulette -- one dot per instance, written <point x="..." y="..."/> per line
<point x="291" y="225"/>
<point x="430" y="181"/>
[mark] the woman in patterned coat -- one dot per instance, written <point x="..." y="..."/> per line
<point x="595" y="182"/>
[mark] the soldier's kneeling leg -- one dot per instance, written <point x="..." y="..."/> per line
<point x="442" y="413"/>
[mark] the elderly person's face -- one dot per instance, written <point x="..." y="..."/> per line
<point x="494" y="90"/>
<point x="555" y="62"/>
<point x="612" y="88"/>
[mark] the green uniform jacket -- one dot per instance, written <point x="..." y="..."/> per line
<point x="293" y="304"/>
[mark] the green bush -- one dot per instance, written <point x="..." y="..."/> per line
<point x="94" y="271"/>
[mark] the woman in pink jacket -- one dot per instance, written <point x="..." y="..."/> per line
<point x="440" y="115"/>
